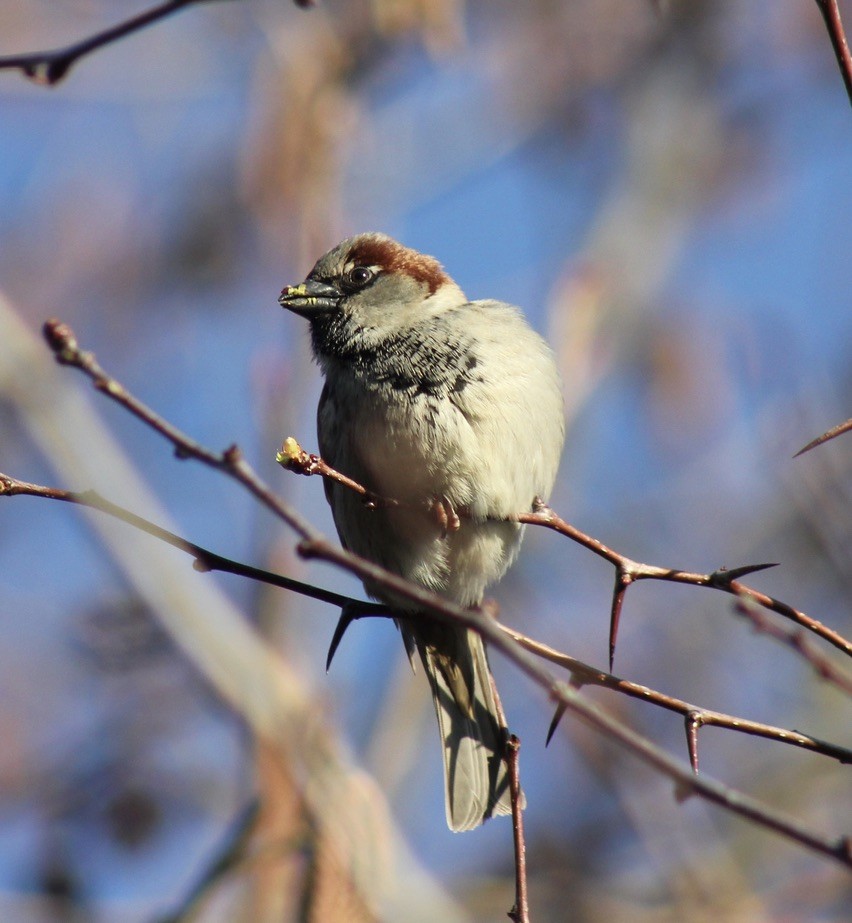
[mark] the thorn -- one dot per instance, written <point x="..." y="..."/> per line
<point x="825" y="437"/>
<point x="622" y="581"/>
<point x="725" y="577"/>
<point x="693" y="722"/>
<point x="561" y="708"/>
<point x="350" y="613"/>
<point x="345" y="620"/>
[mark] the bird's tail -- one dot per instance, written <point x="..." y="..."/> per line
<point x="473" y="735"/>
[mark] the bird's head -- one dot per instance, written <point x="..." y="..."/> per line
<point x="371" y="286"/>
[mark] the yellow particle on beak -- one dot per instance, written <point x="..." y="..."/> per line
<point x="300" y="289"/>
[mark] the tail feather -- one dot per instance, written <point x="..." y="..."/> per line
<point x="473" y="735"/>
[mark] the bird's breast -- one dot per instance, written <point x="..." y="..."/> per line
<point x="397" y="430"/>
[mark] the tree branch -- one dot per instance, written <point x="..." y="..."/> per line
<point x="582" y="674"/>
<point x="314" y="545"/>
<point x="722" y="579"/>
<point x="353" y="609"/>
<point x="628" y="572"/>
<point x="831" y="14"/>
<point x="797" y="640"/>
<point x="520" y="912"/>
<point x="49" y="67"/>
<point x="205" y="560"/>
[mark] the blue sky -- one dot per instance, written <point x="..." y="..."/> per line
<point x="116" y="186"/>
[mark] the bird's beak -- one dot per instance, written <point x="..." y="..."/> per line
<point x="310" y="297"/>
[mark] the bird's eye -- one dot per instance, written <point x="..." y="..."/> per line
<point x="358" y="277"/>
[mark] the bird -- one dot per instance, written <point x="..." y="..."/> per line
<point x="453" y="409"/>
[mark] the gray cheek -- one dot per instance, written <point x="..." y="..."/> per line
<point x="389" y="301"/>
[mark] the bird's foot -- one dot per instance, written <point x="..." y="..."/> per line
<point x="445" y="515"/>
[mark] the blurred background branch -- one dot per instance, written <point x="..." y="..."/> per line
<point x="49" y="67"/>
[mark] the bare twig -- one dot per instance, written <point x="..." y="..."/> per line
<point x="825" y="437"/>
<point x="49" y="67"/>
<point x="520" y="912"/>
<point x="314" y="545"/>
<point x="205" y="560"/>
<point x="63" y="342"/>
<point x="294" y="458"/>
<point x="831" y="14"/>
<point x="797" y="640"/>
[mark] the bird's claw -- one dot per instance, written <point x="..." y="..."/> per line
<point x="445" y="515"/>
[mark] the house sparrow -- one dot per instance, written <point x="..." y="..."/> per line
<point x="452" y="408"/>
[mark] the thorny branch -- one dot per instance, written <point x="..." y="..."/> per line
<point x="314" y="545"/>
<point x="695" y="716"/>
<point x="628" y="571"/>
<point x="582" y="674"/>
